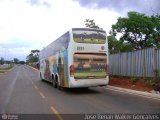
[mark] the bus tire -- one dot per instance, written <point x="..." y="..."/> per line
<point x="85" y="88"/>
<point x="58" y="86"/>
<point x="41" y="77"/>
<point x="54" y="83"/>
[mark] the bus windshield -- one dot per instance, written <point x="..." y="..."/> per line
<point x="89" y="36"/>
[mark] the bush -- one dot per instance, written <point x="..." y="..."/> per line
<point x="134" y="79"/>
<point x="155" y="82"/>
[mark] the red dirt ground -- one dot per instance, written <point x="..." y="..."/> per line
<point x="126" y="82"/>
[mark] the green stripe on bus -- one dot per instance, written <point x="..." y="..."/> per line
<point x="81" y="74"/>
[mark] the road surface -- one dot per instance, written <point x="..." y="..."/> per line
<point x="22" y="92"/>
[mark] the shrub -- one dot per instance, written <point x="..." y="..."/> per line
<point x="134" y="79"/>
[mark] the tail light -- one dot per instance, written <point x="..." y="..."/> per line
<point x="72" y="70"/>
<point x="107" y="68"/>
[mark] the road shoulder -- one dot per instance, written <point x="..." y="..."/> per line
<point x="33" y="68"/>
<point x="135" y="92"/>
<point x="5" y="71"/>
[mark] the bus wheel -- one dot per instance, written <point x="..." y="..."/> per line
<point x="54" y="83"/>
<point x="41" y="77"/>
<point x="85" y="88"/>
<point x="58" y="86"/>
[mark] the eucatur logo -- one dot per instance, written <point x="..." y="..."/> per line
<point x="4" y="116"/>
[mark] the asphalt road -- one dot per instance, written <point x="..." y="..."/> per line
<point x="22" y="92"/>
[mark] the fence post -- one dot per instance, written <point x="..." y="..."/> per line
<point x="154" y="60"/>
<point x="144" y="62"/>
<point x="135" y="63"/>
<point x="126" y="64"/>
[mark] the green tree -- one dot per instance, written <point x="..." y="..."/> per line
<point x="116" y="46"/>
<point x="33" y="56"/>
<point x="8" y="62"/>
<point x="156" y="35"/>
<point x="137" y="30"/>
<point x="91" y="24"/>
<point x="15" y="60"/>
<point x="2" y="61"/>
<point x="22" y="62"/>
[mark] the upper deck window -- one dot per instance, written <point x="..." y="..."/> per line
<point x="89" y="36"/>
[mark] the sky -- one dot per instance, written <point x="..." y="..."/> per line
<point x="27" y="25"/>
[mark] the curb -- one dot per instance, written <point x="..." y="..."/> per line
<point x="33" y="68"/>
<point x="134" y="92"/>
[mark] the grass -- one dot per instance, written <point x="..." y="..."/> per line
<point x="3" y="70"/>
<point x="135" y="79"/>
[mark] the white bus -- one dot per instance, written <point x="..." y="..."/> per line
<point x="79" y="58"/>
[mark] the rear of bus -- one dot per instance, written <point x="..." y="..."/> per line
<point x="88" y="58"/>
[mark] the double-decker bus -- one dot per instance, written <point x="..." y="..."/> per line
<point x="79" y="58"/>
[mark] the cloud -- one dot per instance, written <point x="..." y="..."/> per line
<point x="34" y="2"/>
<point x="33" y="24"/>
<point x="121" y="6"/>
<point x="39" y="2"/>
